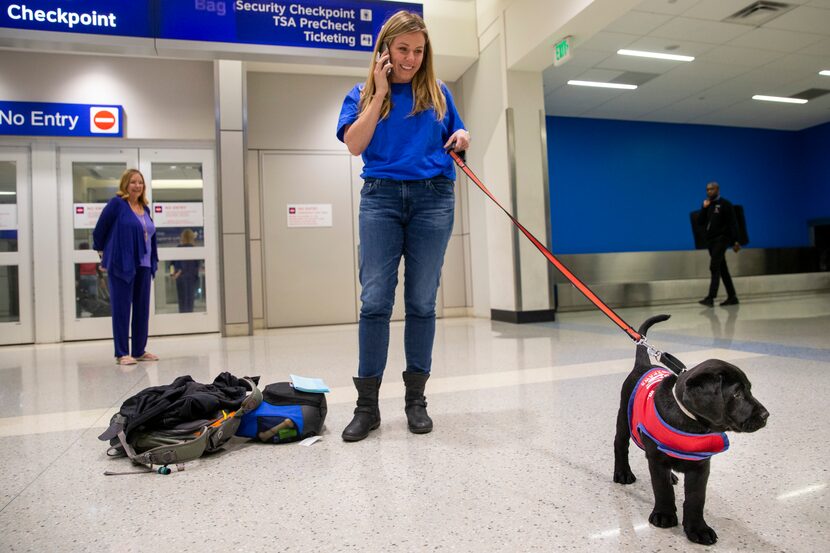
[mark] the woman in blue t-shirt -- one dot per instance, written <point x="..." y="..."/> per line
<point x="401" y="120"/>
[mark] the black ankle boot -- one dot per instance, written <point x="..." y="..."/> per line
<point x="416" y="404"/>
<point x="366" y="414"/>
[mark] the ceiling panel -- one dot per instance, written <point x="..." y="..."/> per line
<point x="643" y="65"/>
<point x="692" y="107"/>
<point x="682" y="47"/>
<point x="732" y="63"/>
<point x="776" y="40"/>
<point x="635" y="105"/>
<point x="808" y="65"/>
<point x="638" y="23"/>
<point x="803" y="19"/>
<point x="586" y="58"/>
<point x="607" y="41"/>
<point x="716" y="10"/>
<point x="699" y="30"/>
<point x="820" y="48"/>
<point x="742" y="57"/>
<point x="598" y="74"/>
<point x="560" y="75"/>
<point x="576" y="100"/>
<point x="664" y="6"/>
<point x="752" y="113"/>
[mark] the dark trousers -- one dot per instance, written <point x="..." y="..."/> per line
<point x="186" y="293"/>
<point x="126" y="296"/>
<point x="718" y="268"/>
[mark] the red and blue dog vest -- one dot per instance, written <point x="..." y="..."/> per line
<point x="643" y="417"/>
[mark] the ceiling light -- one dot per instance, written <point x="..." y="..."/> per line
<point x="656" y="55"/>
<point x="176" y="183"/>
<point x="603" y="85"/>
<point x="826" y="72"/>
<point x="782" y="99"/>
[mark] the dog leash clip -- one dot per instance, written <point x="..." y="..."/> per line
<point x="652" y="351"/>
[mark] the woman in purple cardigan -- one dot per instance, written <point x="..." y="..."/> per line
<point x="125" y="238"/>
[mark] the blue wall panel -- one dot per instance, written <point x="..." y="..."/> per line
<point x="815" y="146"/>
<point x="624" y="186"/>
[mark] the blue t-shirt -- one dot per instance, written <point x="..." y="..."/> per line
<point x="404" y="146"/>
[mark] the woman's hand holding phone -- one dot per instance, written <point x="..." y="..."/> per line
<point x="383" y="70"/>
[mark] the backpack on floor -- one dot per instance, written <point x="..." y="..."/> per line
<point x="285" y="415"/>
<point x="156" y="445"/>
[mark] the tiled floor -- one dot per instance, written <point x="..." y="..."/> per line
<point x="520" y="459"/>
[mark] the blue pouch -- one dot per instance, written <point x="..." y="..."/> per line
<point x="285" y="415"/>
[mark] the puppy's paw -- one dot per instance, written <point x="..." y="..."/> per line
<point x="624" y="476"/>
<point x="663" y="520"/>
<point x="700" y="533"/>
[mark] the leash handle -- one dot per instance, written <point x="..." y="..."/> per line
<point x="581" y="286"/>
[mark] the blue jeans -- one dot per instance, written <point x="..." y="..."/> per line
<point x="412" y="219"/>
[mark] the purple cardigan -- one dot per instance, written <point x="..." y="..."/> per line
<point x="120" y="235"/>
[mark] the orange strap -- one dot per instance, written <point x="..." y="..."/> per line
<point x="581" y="286"/>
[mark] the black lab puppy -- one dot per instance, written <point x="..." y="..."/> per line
<point x="679" y="421"/>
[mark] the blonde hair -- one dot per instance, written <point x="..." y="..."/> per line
<point x="125" y="182"/>
<point x="188" y="236"/>
<point x="426" y="89"/>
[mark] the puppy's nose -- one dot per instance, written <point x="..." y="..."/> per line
<point x="763" y="414"/>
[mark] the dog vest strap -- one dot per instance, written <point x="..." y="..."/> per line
<point x="581" y="286"/>
<point x="644" y="420"/>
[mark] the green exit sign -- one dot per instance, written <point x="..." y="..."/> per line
<point x="562" y="50"/>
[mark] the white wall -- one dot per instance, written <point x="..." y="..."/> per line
<point x="295" y="112"/>
<point x="300" y="112"/>
<point x="162" y="99"/>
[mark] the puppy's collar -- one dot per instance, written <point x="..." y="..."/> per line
<point x="680" y="404"/>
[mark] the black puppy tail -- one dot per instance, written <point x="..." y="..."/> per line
<point x="667" y="359"/>
<point x="651" y="321"/>
<point x="643" y="359"/>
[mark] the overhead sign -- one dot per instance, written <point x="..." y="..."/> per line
<point x="562" y="51"/>
<point x="52" y="119"/>
<point x="340" y="24"/>
<point x="337" y="24"/>
<point x="97" y="17"/>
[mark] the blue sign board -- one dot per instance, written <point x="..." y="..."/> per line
<point x="51" y="119"/>
<point x="338" y="24"/>
<point x="335" y="24"/>
<point x="98" y="17"/>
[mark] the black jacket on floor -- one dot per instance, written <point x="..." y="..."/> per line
<point x="183" y="400"/>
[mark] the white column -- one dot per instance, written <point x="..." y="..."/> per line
<point x="503" y="100"/>
<point x="45" y="243"/>
<point x="231" y="144"/>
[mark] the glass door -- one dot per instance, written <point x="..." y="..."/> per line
<point x="16" y="324"/>
<point x="181" y="189"/>
<point x="88" y="178"/>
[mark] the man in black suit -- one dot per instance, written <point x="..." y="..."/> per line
<point x="721" y="231"/>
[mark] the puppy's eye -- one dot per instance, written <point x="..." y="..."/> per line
<point x="738" y="395"/>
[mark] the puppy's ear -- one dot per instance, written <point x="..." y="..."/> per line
<point x="703" y="396"/>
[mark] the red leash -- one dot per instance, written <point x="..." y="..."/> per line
<point x="581" y="286"/>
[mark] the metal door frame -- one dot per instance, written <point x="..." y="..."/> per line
<point x="21" y="331"/>
<point x="208" y="320"/>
